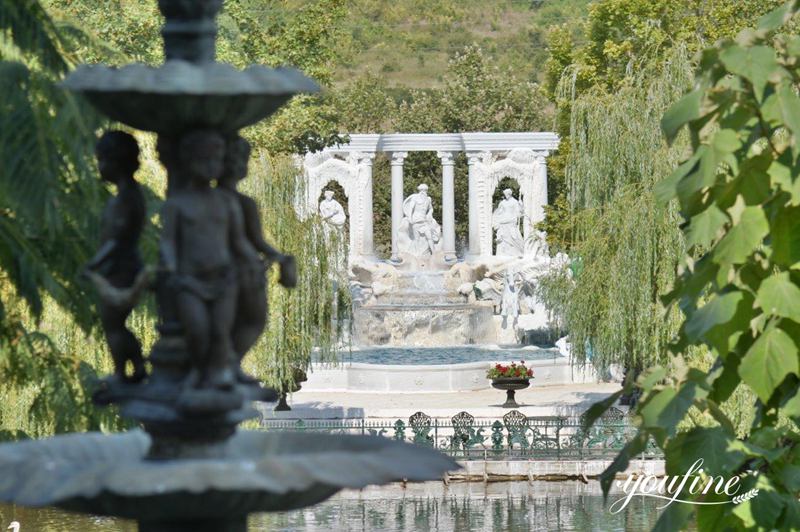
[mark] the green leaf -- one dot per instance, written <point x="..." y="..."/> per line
<point x="777" y="17"/>
<point x="743" y="238"/>
<point x="683" y="111"/>
<point x="669" y="406"/>
<point x="792" y="407"/>
<point x="633" y="448"/>
<point x="720" y="309"/>
<point x="597" y="409"/>
<point x="666" y="189"/>
<point x="724" y="385"/>
<point x="652" y="377"/>
<point x="764" y="509"/>
<point x="786" y="237"/>
<point x="791" y="517"/>
<point x="705" y="227"/>
<point x="712" y="444"/>
<point x="780" y="296"/>
<point x="768" y="362"/>
<point x="790" y="107"/>
<point x="673" y="517"/>
<point x="790" y="477"/>
<point x="757" y="64"/>
<point x="780" y="174"/>
<point x="726" y="141"/>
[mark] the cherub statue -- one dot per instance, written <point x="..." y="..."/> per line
<point x="116" y="270"/>
<point x="202" y="231"/>
<point x="251" y="306"/>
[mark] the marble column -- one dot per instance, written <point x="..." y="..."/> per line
<point x="473" y="158"/>
<point x="448" y="205"/>
<point x="398" y="158"/>
<point x="541" y="188"/>
<point x="365" y="167"/>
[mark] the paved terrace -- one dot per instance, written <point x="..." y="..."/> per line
<point x="563" y="400"/>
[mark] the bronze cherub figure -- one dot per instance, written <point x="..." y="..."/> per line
<point x="116" y="270"/>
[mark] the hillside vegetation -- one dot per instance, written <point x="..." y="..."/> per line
<point x="409" y="42"/>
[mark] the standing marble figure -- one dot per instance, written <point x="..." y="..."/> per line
<point x="422" y="232"/>
<point x="505" y="221"/>
<point x="116" y="269"/>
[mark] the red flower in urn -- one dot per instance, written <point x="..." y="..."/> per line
<point x="511" y="371"/>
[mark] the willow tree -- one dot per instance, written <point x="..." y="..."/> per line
<point x="302" y="321"/>
<point x="626" y="245"/>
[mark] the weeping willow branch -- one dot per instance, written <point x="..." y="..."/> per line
<point x="301" y="320"/>
<point x="626" y="245"/>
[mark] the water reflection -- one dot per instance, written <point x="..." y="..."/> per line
<point x="550" y="506"/>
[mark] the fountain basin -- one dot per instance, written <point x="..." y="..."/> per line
<point x="259" y="472"/>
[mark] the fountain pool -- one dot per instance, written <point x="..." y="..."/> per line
<point x="447" y="355"/>
<point x="438" y="369"/>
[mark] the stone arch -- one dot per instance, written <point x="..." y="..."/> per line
<point x="331" y="169"/>
<point x="514" y="166"/>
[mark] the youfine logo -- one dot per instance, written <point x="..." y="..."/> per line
<point x="673" y="488"/>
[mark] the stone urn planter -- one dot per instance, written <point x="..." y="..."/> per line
<point x="299" y="376"/>
<point x="510" y="385"/>
<point x="511" y="377"/>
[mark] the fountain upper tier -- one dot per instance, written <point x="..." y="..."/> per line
<point x="191" y="90"/>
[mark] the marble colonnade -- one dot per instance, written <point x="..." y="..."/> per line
<point x="490" y="157"/>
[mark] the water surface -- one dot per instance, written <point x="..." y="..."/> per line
<point x="537" y="506"/>
<point x="447" y="355"/>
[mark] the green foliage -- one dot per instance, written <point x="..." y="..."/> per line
<point x="49" y="196"/>
<point x="617" y="41"/>
<point x="739" y="277"/>
<point x="416" y="38"/>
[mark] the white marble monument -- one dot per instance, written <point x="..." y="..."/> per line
<point x="426" y="295"/>
<point x="491" y="157"/>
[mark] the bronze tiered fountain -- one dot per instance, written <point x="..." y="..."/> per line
<point x="190" y="468"/>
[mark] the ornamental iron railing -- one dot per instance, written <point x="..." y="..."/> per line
<point x="515" y="436"/>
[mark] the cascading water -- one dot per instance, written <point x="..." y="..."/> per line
<point x="421" y="311"/>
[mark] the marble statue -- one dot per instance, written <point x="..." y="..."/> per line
<point x="202" y="240"/>
<point x="251" y="301"/>
<point x="332" y="212"/>
<point x="505" y="221"/>
<point x="116" y="270"/>
<point x="420" y="232"/>
<point x="509" y="304"/>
